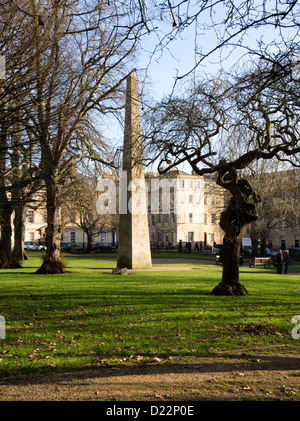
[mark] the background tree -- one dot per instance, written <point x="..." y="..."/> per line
<point x="76" y="60"/>
<point x="80" y="208"/>
<point x="279" y="207"/>
<point x="19" y="176"/>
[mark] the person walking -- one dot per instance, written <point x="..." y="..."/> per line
<point x="286" y="261"/>
<point x="279" y="261"/>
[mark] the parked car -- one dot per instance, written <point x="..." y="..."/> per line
<point x="219" y="258"/>
<point x="217" y="249"/>
<point x="33" y="246"/>
<point x="294" y="254"/>
<point x="102" y="247"/>
<point x="67" y="245"/>
<point x="294" y="250"/>
<point x="246" y="250"/>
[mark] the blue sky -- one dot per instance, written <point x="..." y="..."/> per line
<point x="180" y="58"/>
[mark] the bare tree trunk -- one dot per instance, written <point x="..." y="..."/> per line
<point x="5" y="233"/>
<point x="230" y="284"/>
<point x="263" y="245"/>
<point x="254" y="242"/>
<point x="241" y="211"/>
<point x="52" y="263"/>
<point x="6" y="258"/>
<point x="19" y="233"/>
<point x="89" y="242"/>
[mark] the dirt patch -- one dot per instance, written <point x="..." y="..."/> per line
<point x="234" y="378"/>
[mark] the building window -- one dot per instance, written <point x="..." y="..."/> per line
<point x="212" y="238"/>
<point x="45" y="216"/>
<point x="212" y="200"/>
<point x="283" y="243"/>
<point x="190" y="218"/>
<point x="152" y="219"/>
<point x="152" y="237"/>
<point x="29" y="216"/>
<point x="166" y="237"/>
<point x="197" y="184"/>
<point x="213" y="218"/>
<point x="296" y="242"/>
<point x="190" y="236"/>
<point x="205" y="219"/>
<point x="173" y="218"/>
<point x="191" y="184"/>
<point x="182" y="183"/>
<point x="205" y="199"/>
<point x="73" y="236"/>
<point x="190" y="198"/>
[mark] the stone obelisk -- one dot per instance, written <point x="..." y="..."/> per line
<point x="134" y="243"/>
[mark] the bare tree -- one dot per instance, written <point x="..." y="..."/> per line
<point x="80" y="207"/>
<point x="219" y="30"/>
<point x="279" y="206"/>
<point x="19" y="176"/>
<point x="266" y="116"/>
<point x="76" y="61"/>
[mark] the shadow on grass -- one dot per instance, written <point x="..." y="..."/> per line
<point x="203" y="364"/>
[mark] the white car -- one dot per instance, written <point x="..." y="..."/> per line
<point x="33" y="246"/>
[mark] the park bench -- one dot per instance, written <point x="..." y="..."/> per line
<point x="260" y="261"/>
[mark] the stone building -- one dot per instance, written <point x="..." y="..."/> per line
<point x="186" y="207"/>
<point x="188" y="211"/>
<point x="35" y="225"/>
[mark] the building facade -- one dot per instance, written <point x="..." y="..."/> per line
<point x="188" y="210"/>
<point x="180" y="206"/>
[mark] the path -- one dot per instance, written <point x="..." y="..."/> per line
<point x="238" y="377"/>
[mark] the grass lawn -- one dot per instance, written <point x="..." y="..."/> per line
<point x="90" y="317"/>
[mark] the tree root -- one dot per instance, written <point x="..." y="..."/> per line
<point x="12" y="263"/>
<point x="51" y="266"/>
<point x="226" y="289"/>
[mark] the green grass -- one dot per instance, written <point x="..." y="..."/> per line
<point x="90" y="317"/>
